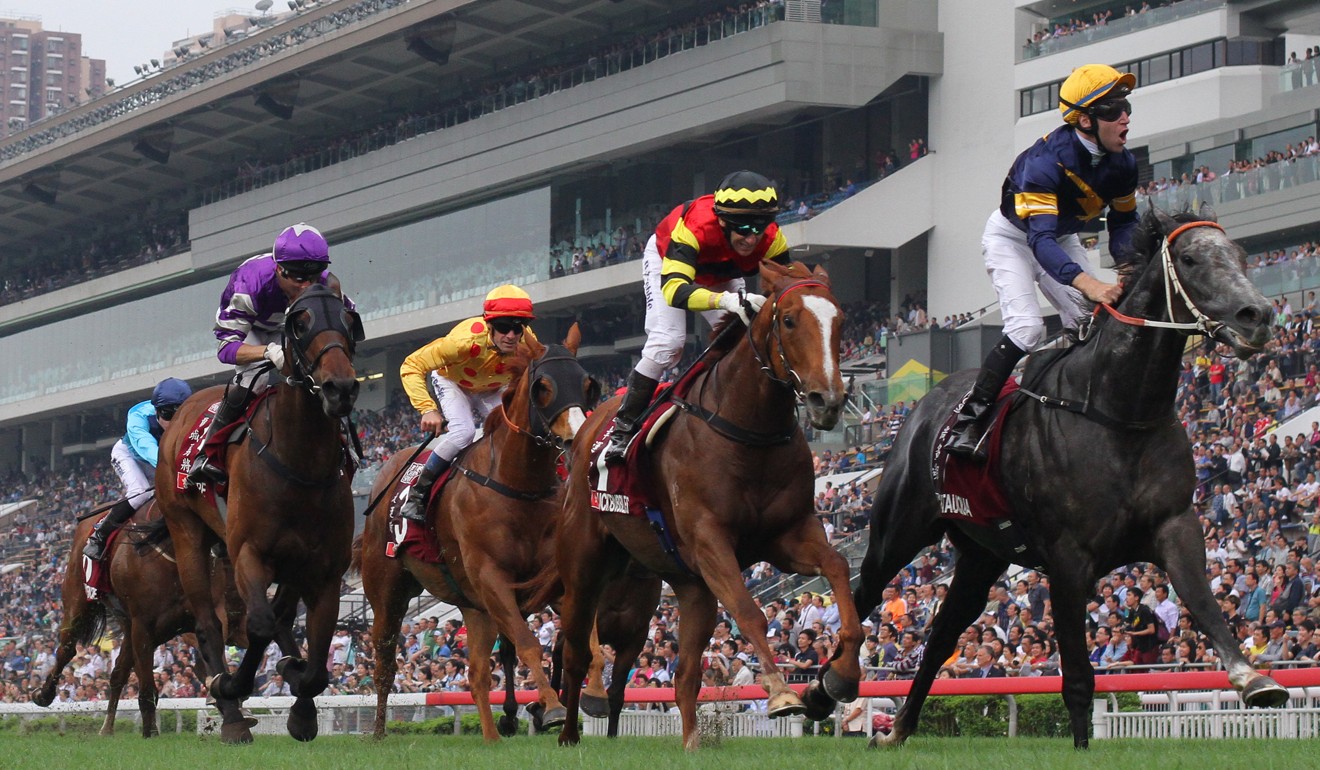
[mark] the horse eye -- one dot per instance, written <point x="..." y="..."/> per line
<point x="788" y="320"/>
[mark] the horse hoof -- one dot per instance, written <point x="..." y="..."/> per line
<point x="594" y="706"/>
<point x="836" y="687"/>
<point x="507" y="725"/>
<point x="555" y="717"/>
<point x="785" y="704"/>
<point x="818" y="705"/>
<point x="42" y="699"/>
<point x="106" y="732"/>
<point x="1263" y="692"/>
<point x="535" y="710"/>
<point x="566" y="739"/>
<point x="302" y="720"/>
<point x="885" y="741"/>
<point x="236" y="732"/>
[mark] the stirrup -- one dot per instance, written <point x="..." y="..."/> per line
<point x="617" y="449"/>
<point x="204" y="472"/>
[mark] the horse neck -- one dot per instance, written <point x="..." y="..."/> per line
<point x="759" y="403"/>
<point x="518" y="460"/>
<point x="1134" y="370"/>
<point x="301" y="432"/>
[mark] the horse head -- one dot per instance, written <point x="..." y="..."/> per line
<point x="1199" y="274"/>
<point x="320" y="337"/>
<point x="796" y="335"/>
<point x="559" y="391"/>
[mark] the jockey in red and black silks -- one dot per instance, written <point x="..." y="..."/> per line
<point x="697" y="261"/>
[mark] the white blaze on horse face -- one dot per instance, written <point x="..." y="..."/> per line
<point x="825" y="312"/>
<point x="575" y="420"/>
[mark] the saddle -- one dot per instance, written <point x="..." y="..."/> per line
<point x="192" y="445"/>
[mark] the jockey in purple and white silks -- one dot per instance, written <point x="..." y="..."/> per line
<point x="250" y="322"/>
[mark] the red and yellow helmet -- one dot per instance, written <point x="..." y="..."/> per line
<point x="507" y="301"/>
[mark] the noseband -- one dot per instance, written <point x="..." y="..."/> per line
<point x="1173" y="287"/>
<point x="326" y="312"/>
<point x="794" y="385"/>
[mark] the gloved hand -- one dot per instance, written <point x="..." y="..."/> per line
<point x="745" y="305"/>
<point x="275" y="354"/>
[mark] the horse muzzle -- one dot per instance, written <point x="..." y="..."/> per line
<point x="823" y="408"/>
<point x="338" y="395"/>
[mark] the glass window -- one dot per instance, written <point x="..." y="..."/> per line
<point x="1158" y="71"/>
<point x="20" y="43"/>
<point x="1202" y="58"/>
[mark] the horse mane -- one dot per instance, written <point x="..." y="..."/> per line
<point x="1145" y="245"/>
<point x="723" y="343"/>
<point x="517" y="365"/>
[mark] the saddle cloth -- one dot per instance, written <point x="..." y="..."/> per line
<point x="419" y="542"/>
<point x="192" y="445"/>
<point x="96" y="574"/>
<point x="625" y="488"/>
<point x="968" y="490"/>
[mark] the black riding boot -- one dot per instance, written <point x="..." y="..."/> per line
<point x="970" y="423"/>
<point x="231" y="408"/>
<point x="640" y="390"/>
<point x="414" y="507"/>
<point x="95" y="547"/>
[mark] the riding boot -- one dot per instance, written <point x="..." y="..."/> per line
<point x="971" y="421"/>
<point x="414" y="506"/>
<point x="231" y="408"/>
<point x="95" y="547"/>
<point x="640" y="390"/>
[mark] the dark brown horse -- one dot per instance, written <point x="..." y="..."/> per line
<point x="1095" y="465"/>
<point x="147" y="603"/>
<point x="733" y="479"/>
<point x="494" y="523"/>
<point x="290" y="510"/>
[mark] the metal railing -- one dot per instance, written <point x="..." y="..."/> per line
<point x="1120" y="26"/>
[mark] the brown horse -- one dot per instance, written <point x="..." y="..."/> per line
<point x="494" y="522"/>
<point x="754" y="504"/>
<point x="147" y="603"/>
<point x="290" y="510"/>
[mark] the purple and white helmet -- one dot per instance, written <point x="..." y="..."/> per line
<point x="301" y="243"/>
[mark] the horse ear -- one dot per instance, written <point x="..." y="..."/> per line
<point x="533" y="346"/>
<point x="1166" y="223"/>
<point x="818" y="272"/>
<point x="1207" y="212"/>
<point x="574" y="338"/>
<point x="772" y="273"/>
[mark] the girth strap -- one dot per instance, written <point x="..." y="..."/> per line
<point x="1091" y="413"/>
<point x="657" y="520"/>
<point x="507" y="491"/>
<point x="734" y="432"/>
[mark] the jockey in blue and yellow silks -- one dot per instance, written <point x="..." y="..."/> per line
<point x="1063" y="181"/>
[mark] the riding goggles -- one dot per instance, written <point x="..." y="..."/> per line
<point x="1110" y="110"/>
<point x="748" y="228"/>
<point x="302" y="273"/>
<point x="506" y="326"/>
<point x="166" y="412"/>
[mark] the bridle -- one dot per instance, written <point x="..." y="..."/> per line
<point x="776" y="343"/>
<point x="1173" y="287"/>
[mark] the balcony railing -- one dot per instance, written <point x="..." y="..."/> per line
<point x="1120" y="26"/>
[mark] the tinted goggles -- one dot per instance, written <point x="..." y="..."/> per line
<point x="302" y="272"/>
<point x="1111" y="110"/>
<point x="506" y="326"/>
<point x="166" y="412"/>
<point x="749" y="228"/>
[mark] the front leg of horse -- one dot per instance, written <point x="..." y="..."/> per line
<point x="142" y="646"/>
<point x="481" y="640"/>
<point x="812" y="554"/>
<point x="493" y="592"/>
<point x="1179" y="550"/>
<point x="312" y="675"/>
<point x="68" y="647"/>
<point x="1069" y="601"/>
<point x="698" y="607"/>
<point x="595" y="700"/>
<point x="252" y="579"/>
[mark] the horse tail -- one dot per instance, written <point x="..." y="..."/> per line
<point x="88" y="625"/>
<point x="355" y="562"/>
<point x="543" y="588"/>
<point x="152" y="534"/>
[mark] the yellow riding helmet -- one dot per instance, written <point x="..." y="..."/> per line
<point x="1089" y="84"/>
<point x="507" y="301"/>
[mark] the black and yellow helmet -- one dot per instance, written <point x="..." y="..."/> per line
<point x="746" y="198"/>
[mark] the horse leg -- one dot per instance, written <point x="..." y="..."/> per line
<point x="143" y="642"/>
<point x="594" y="700"/>
<point x="481" y="639"/>
<point x="625" y="653"/>
<point x="806" y="551"/>
<point x="892" y="544"/>
<point x="577" y="612"/>
<point x="1178" y="549"/>
<point x="494" y="594"/>
<point x="78" y="613"/>
<point x="976" y="571"/>
<point x="697" y="604"/>
<point x="118" y="678"/>
<point x="322" y="612"/>
<point x="508" y="724"/>
<point x="715" y="561"/>
<point x="1069" y="591"/>
<point x="384" y="587"/>
<point x="252" y="578"/>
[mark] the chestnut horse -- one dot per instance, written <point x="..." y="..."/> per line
<point x="754" y="503"/>
<point x="1095" y="466"/>
<point x="290" y="510"/>
<point x="148" y="604"/>
<point x="494" y="522"/>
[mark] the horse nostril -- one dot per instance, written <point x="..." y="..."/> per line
<point x="815" y="400"/>
<point x="1254" y="316"/>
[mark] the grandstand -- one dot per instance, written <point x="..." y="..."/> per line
<point x="445" y="147"/>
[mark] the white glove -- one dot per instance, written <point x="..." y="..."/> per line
<point x="745" y="306"/>
<point x="275" y="354"/>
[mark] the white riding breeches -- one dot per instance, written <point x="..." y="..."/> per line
<point x="463" y="412"/>
<point x="134" y="474"/>
<point x="1015" y="274"/>
<point x="245" y="375"/>
<point x="666" y="325"/>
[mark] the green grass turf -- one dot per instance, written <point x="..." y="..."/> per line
<point x="184" y="752"/>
